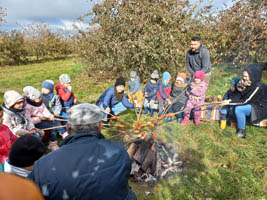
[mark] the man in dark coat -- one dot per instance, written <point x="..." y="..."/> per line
<point x="252" y="100"/>
<point x="198" y="58"/>
<point x="86" y="166"/>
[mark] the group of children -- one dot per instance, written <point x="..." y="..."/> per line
<point x="35" y="111"/>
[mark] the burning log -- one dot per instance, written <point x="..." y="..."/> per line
<point x="152" y="159"/>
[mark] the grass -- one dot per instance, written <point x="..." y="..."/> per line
<point x="217" y="164"/>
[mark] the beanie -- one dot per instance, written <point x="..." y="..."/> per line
<point x="155" y="74"/>
<point x="25" y="151"/>
<point x="48" y="84"/>
<point x="31" y="93"/>
<point x="181" y="77"/>
<point x="120" y="81"/>
<point x="133" y="74"/>
<point x="11" y="97"/>
<point x="200" y="75"/>
<point x="235" y="81"/>
<point x="166" y="76"/>
<point x="64" y="79"/>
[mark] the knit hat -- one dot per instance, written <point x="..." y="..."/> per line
<point x="181" y="77"/>
<point x="11" y="97"/>
<point x="200" y="75"/>
<point x="25" y="151"/>
<point x="64" y="79"/>
<point x="48" y="84"/>
<point x="235" y="81"/>
<point x="166" y="76"/>
<point x="83" y="114"/>
<point x="133" y="74"/>
<point x="120" y="81"/>
<point x="155" y="74"/>
<point x="31" y="93"/>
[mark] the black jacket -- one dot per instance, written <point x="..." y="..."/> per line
<point x="256" y="94"/>
<point x="86" y="167"/>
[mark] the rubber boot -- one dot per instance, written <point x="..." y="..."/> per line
<point x="179" y="120"/>
<point x="185" y="120"/>
<point x="145" y="110"/>
<point x="223" y="124"/>
<point x="151" y="112"/>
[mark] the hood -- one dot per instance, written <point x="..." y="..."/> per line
<point x="59" y="86"/>
<point x="11" y="97"/>
<point x="255" y="72"/>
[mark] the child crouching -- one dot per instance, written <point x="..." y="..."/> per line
<point x="196" y="93"/>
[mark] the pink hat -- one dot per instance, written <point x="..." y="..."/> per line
<point x="200" y="75"/>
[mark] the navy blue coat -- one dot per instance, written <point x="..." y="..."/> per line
<point x="109" y="99"/>
<point x="152" y="90"/>
<point x="86" y="167"/>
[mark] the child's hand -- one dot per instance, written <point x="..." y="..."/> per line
<point x="52" y="118"/>
<point x="42" y="118"/>
<point x="69" y="87"/>
<point x="169" y="101"/>
<point x="107" y="110"/>
<point x="146" y="94"/>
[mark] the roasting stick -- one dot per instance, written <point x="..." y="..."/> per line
<point x="55" y="119"/>
<point x="51" y="128"/>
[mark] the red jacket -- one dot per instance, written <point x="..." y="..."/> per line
<point x="6" y="140"/>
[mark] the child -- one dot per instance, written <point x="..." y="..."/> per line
<point x="150" y="91"/>
<point x="40" y="115"/>
<point x="52" y="102"/>
<point x="6" y="139"/>
<point x="64" y="91"/>
<point x="114" y="100"/>
<point x="15" y="116"/>
<point x="135" y="90"/>
<point x="163" y="94"/>
<point x="179" y="97"/>
<point x="196" y="93"/>
<point x="228" y="111"/>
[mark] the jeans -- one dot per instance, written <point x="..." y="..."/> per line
<point x="48" y="124"/>
<point x="116" y="110"/>
<point x="241" y="112"/>
<point x="149" y="103"/>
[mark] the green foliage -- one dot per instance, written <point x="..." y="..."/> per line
<point x="12" y="47"/>
<point x="140" y="35"/>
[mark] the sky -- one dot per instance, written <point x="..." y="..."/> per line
<point x="58" y="13"/>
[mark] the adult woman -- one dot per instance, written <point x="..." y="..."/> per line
<point x="114" y="100"/>
<point x="252" y="101"/>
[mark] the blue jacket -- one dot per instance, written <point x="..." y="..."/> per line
<point x="152" y="90"/>
<point x="229" y="94"/>
<point x="86" y="167"/>
<point x="108" y="99"/>
<point x="135" y="85"/>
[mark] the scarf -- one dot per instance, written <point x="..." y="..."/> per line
<point x="33" y="103"/>
<point x="243" y="84"/>
<point x="119" y="96"/>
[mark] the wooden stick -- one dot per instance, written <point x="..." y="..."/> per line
<point x="51" y="128"/>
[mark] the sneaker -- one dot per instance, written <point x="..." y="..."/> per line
<point x="53" y="146"/>
<point x="241" y="133"/>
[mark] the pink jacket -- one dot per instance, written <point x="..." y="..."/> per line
<point x="36" y="112"/>
<point x="6" y="140"/>
<point x="167" y="90"/>
<point x="197" y="92"/>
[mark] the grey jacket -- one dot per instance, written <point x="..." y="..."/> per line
<point x="198" y="60"/>
<point x="54" y="105"/>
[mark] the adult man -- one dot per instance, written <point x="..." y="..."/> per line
<point x="198" y="58"/>
<point x="86" y="166"/>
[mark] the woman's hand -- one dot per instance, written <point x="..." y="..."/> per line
<point x="226" y="102"/>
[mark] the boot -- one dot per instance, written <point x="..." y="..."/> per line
<point x="151" y="112"/>
<point x="241" y="133"/>
<point x="223" y="124"/>
<point x="145" y="110"/>
<point x="185" y="121"/>
<point x="197" y="121"/>
<point x="167" y="119"/>
<point x="53" y="146"/>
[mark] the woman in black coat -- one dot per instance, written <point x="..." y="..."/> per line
<point x="252" y="101"/>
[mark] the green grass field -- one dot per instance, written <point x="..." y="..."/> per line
<point x="217" y="164"/>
